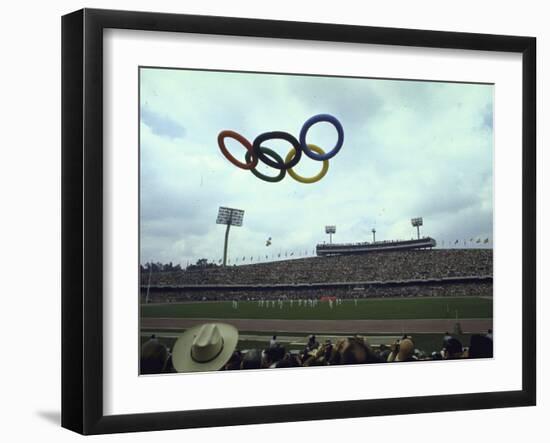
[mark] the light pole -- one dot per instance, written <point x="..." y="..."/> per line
<point x="229" y="217"/>
<point x="331" y="229"/>
<point x="417" y="222"/>
<point x="373" y="235"/>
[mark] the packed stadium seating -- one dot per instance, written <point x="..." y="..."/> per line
<point x="452" y="272"/>
<point x="386" y="266"/>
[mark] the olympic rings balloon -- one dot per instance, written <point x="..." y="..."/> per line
<point x="282" y="136"/>
<point x="315" y="178"/>
<point x="255" y="151"/>
<point x="243" y="141"/>
<point x="316" y="119"/>
<point x="279" y="162"/>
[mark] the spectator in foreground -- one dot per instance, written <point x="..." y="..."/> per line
<point x="383" y="352"/>
<point x="452" y="349"/>
<point x="311" y="346"/>
<point x="272" y="355"/>
<point x="312" y="342"/>
<point x="291" y="360"/>
<point x="402" y="350"/>
<point x="234" y="362"/>
<point x="481" y="346"/>
<point x="154" y="358"/>
<point x="206" y="347"/>
<point x="352" y="350"/>
<point x="419" y="355"/>
<point x="252" y="360"/>
<point x="328" y="349"/>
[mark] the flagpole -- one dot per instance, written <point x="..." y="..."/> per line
<point x="148" y="283"/>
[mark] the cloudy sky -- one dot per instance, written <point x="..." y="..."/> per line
<point x="411" y="149"/>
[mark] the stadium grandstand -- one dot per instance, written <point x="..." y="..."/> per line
<point x="366" y="247"/>
<point x="436" y="272"/>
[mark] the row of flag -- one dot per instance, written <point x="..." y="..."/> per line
<point x="267" y="257"/>
<point x="472" y="240"/>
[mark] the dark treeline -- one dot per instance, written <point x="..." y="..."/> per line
<point x="202" y="263"/>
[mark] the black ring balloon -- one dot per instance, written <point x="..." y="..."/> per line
<point x="282" y="136"/>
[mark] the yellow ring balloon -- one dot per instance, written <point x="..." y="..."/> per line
<point x="313" y="179"/>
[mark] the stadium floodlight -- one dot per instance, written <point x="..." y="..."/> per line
<point x="373" y="235"/>
<point x="330" y="229"/>
<point x="229" y="217"/>
<point x="417" y="222"/>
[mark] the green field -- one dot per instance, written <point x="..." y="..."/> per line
<point x="375" y="309"/>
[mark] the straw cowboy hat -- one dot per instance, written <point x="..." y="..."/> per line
<point x="206" y="347"/>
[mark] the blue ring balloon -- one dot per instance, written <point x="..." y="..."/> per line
<point x="316" y="119"/>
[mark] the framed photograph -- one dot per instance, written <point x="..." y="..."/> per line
<point x="269" y="221"/>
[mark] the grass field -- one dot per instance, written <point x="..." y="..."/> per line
<point x="375" y="309"/>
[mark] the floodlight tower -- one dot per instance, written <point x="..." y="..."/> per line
<point x="417" y="221"/>
<point x="229" y="217"/>
<point x="330" y="230"/>
<point x="373" y="235"/>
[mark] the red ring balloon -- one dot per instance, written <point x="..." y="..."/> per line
<point x="243" y="141"/>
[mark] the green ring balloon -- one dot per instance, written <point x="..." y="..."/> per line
<point x="273" y="155"/>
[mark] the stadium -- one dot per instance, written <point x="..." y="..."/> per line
<point x="380" y="294"/>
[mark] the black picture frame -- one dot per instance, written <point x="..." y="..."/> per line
<point x="82" y="218"/>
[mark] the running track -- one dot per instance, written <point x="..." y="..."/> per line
<point x="327" y="326"/>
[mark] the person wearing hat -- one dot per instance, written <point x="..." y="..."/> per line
<point x="206" y="347"/>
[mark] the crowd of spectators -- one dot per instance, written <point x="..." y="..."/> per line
<point x="372" y="267"/>
<point x="157" y="358"/>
